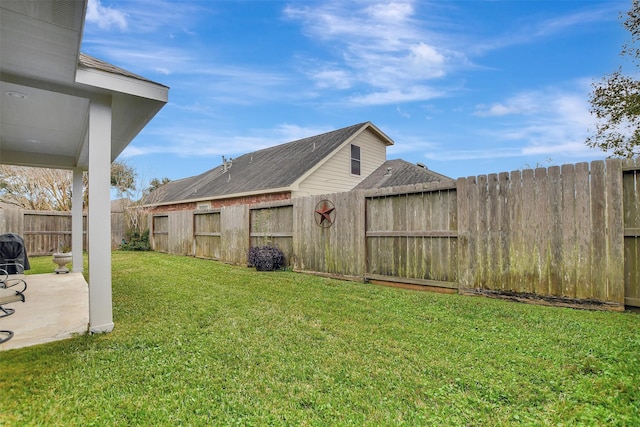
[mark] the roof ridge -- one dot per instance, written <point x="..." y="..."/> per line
<point x="306" y="138"/>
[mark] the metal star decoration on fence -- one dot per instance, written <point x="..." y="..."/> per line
<point x="325" y="213"/>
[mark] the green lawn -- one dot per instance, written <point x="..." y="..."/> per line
<point x="198" y="342"/>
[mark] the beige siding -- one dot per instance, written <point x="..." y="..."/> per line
<point x="335" y="174"/>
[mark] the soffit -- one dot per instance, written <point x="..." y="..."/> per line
<point x="45" y="93"/>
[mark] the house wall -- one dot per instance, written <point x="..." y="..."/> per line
<point x="218" y="203"/>
<point x="335" y="174"/>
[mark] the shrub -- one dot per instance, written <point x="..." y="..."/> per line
<point x="266" y="258"/>
<point x="137" y="242"/>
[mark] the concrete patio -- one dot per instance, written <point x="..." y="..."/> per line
<point x="56" y="308"/>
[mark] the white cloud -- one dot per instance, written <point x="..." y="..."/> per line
<point x="386" y="46"/>
<point x="569" y="148"/>
<point x="380" y="46"/>
<point x="580" y="18"/>
<point x="551" y="122"/>
<point x="146" y="56"/>
<point x="416" y="93"/>
<point x="166" y="18"/>
<point x="404" y="144"/>
<point x="455" y="155"/>
<point x="522" y="103"/>
<point x="332" y="78"/>
<point x="494" y="110"/>
<point x="105" y="17"/>
<point x="287" y="132"/>
<point x="425" y="55"/>
<point x="186" y="141"/>
<point x="528" y="31"/>
<point x="393" y="12"/>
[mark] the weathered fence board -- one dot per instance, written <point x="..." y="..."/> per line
<point x="412" y="236"/>
<point x="549" y="231"/>
<point x="615" y="232"/>
<point x="47" y="232"/>
<point x="207" y="234"/>
<point x="336" y="249"/>
<point x="569" y="233"/>
<point x="515" y="233"/>
<point x="44" y="232"/>
<point x="234" y="242"/>
<point x="582" y="253"/>
<point x="180" y="227"/>
<point x="11" y="221"/>
<point x="273" y="226"/>
<point x="631" y="201"/>
<point x="118" y="229"/>
<point x="160" y="232"/>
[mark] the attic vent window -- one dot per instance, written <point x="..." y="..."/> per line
<point x="355" y="160"/>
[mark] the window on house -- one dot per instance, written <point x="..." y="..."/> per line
<point x="355" y="160"/>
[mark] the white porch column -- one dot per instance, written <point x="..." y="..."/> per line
<point x="99" y="228"/>
<point x="76" y="221"/>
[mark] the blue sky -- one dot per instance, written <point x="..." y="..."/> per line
<point x="466" y="87"/>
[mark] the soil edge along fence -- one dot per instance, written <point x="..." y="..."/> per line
<point x="565" y="234"/>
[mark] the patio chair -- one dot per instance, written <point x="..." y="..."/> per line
<point x="16" y="278"/>
<point x="5" y="335"/>
<point x="8" y="296"/>
<point x="13" y="261"/>
<point x="13" y="258"/>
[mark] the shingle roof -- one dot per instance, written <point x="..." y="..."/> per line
<point x="393" y="173"/>
<point x="95" y="63"/>
<point x="269" y="169"/>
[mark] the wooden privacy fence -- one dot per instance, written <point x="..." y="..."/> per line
<point x="554" y="232"/>
<point x="46" y="232"/>
<point x="569" y="233"/>
<point x="412" y="235"/>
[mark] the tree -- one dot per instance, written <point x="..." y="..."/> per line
<point x="156" y="183"/>
<point x="35" y="188"/>
<point x="51" y="189"/>
<point x="615" y="100"/>
<point x="136" y="212"/>
<point x="123" y="178"/>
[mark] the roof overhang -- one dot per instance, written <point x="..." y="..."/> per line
<point x="222" y="197"/>
<point x="47" y="85"/>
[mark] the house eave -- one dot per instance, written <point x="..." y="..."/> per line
<point x="222" y="197"/>
<point x="123" y="84"/>
<point x="368" y="125"/>
<point x="388" y="141"/>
